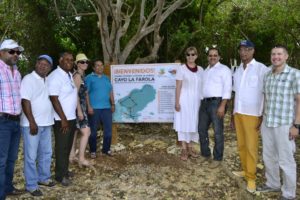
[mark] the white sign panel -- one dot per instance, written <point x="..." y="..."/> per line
<point x="144" y="92"/>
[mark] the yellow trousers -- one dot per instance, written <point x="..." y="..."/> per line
<point x="247" y="140"/>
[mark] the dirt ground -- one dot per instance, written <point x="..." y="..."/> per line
<point x="146" y="165"/>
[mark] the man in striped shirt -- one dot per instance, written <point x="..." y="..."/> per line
<point x="281" y="123"/>
<point x="10" y="109"/>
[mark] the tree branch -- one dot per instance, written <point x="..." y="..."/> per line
<point x="146" y="29"/>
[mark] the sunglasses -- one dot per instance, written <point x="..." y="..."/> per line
<point x="245" y="49"/>
<point x="192" y="54"/>
<point x="12" y="52"/>
<point x="83" y="62"/>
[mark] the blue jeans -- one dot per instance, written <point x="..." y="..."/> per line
<point x="9" y="146"/>
<point x="104" y="116"/>
<point x="207" y="116"/>
<point x="37" y="156"/>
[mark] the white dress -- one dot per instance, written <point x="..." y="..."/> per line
<point x="186" y="120"/>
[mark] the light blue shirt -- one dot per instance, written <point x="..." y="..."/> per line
<point x="99" y="89"/>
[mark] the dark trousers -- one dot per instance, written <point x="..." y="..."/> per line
<point x="207" y="116"/>
<point x="63" y="145"/>
<point x="9" y="146"/>
<point x="104" y="116"/>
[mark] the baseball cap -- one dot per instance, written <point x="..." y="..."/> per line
<point x="10" y="44"/>
<point x="246" y="43"/>
<point x="46" y="57"/>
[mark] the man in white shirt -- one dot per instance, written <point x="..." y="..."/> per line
<point x="63" y="95"/>
<point x="36" y="122"/>
<point x="248" y="104"/>
<point x="216" y="91"/>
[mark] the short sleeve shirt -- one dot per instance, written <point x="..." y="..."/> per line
<point x="61" y="84"/>
<point x="280" y="92"/>
<point x="99" y="89"/>
<point x="34" y="89"/>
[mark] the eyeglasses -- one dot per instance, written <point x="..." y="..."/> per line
<point x="83" y="62"/>
<point x="214" y="55"/>
<point x="190" y="54"/>
<point x="12" y="52"/>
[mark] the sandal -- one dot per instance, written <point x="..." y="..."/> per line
<point x="192" y="153"/>
<point x="184" y="155"/>
<point x="84" y="163"/>
<point x="73" y="160"/>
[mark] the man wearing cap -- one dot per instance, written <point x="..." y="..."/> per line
<point x="281" y="123"/>
<point x="248" y="104"/>
<point x="63" y="95"/>
<point x="216" y="91"/>
<point x="36" y="121"/>
<point x="100" y="107"/>
<point x="10" y="109"/>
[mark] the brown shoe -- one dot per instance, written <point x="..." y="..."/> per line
<point x="15" y="191"/>
<point x="192" y="153"/>
<point x="215" y="164"/>
<point x="251" y="186"/>
<point x="184" y="155"/>
<point x="203" y="159"/>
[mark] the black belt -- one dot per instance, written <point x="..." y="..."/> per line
<point x="10" y="117"/>
<point x="211" y="98"/>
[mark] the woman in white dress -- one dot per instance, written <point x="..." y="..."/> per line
<point x="187" y="103"/>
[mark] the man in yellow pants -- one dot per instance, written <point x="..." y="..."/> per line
<point x="248" y="104"/>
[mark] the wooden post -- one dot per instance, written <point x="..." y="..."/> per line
<point x="114" y="139"/>
<point x="178" y="143"/>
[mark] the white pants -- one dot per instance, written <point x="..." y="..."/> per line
<point x="278" y="153"/>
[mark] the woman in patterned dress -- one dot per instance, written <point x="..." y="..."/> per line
<point x="81" y="112"/>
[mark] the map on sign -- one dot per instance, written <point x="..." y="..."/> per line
<point x="137" y="100"/>
<point x="144" y="92"/>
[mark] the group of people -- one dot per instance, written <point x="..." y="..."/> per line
<point x="66" y="100"/>
<point x="266" y="100"/>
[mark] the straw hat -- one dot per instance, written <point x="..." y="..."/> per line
<point x="81" y="56"/>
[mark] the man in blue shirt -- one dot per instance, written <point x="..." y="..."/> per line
<point x="100" y="107"/>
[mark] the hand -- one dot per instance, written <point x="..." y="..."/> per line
<point x="80" y="115"/>
<point x="221" y="111"/>
<point x="177" y="107"/>
<point x="113" y="108"/>
<point x="232" y="125"/>
<point x="33" y="128"/>
<point x="294" y="132"/>
<point x="64" y="126"/>
<point x="90" y="110"/>
<point x="259" y="123"/>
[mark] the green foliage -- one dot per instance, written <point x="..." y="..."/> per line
<point x="34" y="23"/>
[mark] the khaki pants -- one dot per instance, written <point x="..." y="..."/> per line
<point x="247" y="140"/>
